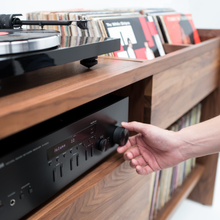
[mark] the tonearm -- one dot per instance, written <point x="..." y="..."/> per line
<point x="10" y="21"/>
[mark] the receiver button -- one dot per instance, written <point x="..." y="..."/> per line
<point x="54" y="174"/>
<point x="61" y="170"/>
<point x="71" y="163"/>
<point x="102" y="145"/>
<point x="86" y="154"/>
<point x="77" y="160"/>
<point x="92" y="151"/>
<point x="74" y="161"/>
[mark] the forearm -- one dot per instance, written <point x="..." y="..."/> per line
<point x="201" y="139"/>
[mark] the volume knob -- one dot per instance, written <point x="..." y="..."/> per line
<point x="120" y="136"/>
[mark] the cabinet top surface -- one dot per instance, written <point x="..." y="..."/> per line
<point x="31" y="98"/>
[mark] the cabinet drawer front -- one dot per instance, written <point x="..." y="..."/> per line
<point x="178" y="89"/>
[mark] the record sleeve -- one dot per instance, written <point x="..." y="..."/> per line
<point x="139" y="37"/>
<point x="181" y="29"/>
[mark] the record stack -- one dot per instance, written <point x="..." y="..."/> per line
<point x="138" y="34"/>
<point x="141" y="32"/>
<point x="164" y="182"/>
<point x="173" y="27"/>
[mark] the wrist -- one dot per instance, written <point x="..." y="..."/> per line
<point x="191" y="143"/>
<point x="178" y="145"/>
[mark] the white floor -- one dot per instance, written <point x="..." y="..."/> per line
<point x="190" y="210"/>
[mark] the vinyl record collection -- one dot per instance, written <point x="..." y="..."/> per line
<point x="164" y="182"/>
<point x="141" y="32"/>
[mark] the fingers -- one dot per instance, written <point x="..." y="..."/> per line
<point x="132" y="126"/>
<point x="135" y="126"/>
<point x="138" y="161"/>
<point x="144" y="170"/>
<point x="132" y="153"/>
<point x="141" y="166"/>
<point x="131" y="142"/>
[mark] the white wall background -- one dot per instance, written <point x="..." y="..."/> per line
<point x="206" y="14"/>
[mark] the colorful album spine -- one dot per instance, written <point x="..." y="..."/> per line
<point x="168" y="180"/>
<point x="151" y="189"/>
<point x="155" y="189"/>
<point x="28" y="17"/>
<point x="73" y="25"/>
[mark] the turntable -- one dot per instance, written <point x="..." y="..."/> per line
<point x="24" y="50"/>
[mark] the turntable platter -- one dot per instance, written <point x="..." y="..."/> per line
<point x="21" y="41"/>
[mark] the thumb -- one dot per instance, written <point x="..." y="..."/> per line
<point x="135" y="126"/>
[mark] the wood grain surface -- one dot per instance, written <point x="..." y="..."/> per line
<point x="168" y="48"/>
<point x="203" y="192"/>
<point x="123" y="194"/>
<point x="178" y="89"/>
<point x="40" y="95"/>
<point x="112" y="191"/>
<point x="75" y="190"/>
<point x="136" y="92"/>
<point x="206" y="34"/>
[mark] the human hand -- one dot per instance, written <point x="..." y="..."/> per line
<point x="152" y="148"/>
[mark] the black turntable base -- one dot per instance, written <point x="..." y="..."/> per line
<point x="26" y="50"/>
<point x="23" y="46"/>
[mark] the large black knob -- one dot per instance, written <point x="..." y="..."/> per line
<point x="120" y="136"/>
<point x="102" y="145"/>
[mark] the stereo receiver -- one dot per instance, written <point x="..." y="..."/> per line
<point x="38" y="162"/>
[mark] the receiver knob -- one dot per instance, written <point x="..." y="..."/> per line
<point x="120" y="136"/>
<point x="102" y="145"/>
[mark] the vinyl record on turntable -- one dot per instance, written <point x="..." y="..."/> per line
<point x="21" y="41"/>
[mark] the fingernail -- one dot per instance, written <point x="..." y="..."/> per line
<point x="134" y="162"/>
<point x="130" y="156"/>
<point x="138" y="169"/>
<point x="124" y="123"/>
<point x="127" y="156"/>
